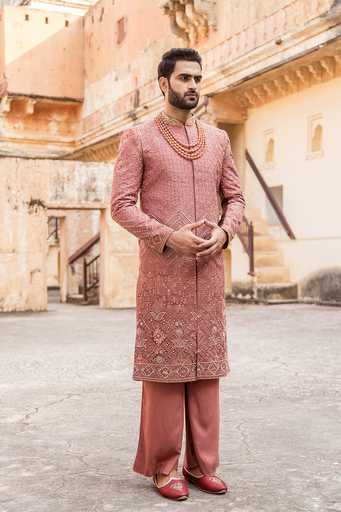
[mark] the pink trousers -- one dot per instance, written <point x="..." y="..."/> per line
<point x="161" y="427"/>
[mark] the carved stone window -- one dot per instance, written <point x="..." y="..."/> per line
<point x="315" y="132"/>
<point x="189" y="18"/>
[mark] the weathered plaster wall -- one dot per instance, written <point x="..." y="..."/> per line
<point x="50" y="131"/>
<point x="113" y="70"/>
<point x="26" y="188"/>
<point x="323" y="285"/>
<point x="23" y="235"/>
<point x="43" y="58"/>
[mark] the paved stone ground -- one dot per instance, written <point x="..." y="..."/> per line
<point x="70" y="411"/>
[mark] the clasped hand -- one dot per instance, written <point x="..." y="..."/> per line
<point x="185" y="242"/>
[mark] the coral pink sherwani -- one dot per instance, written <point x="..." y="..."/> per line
<point x="181" y="319"/>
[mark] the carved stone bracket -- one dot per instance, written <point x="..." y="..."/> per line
<point x="29" y="106"/>
<point x="304" y="75"/>
<point x="5" y="104"/>
<point x="188" y="18"/>
<point x="337" y="58"/>
<point x="251" y="97"/>
<point x="315" y="69"/>
<point x="260" y="93"/>
<point x="292" y="80"/>
<point x="240" y="99"/>
<point x="270" y="89"/>
<point x="328" y="64"/>
<point x="281" y="84"/>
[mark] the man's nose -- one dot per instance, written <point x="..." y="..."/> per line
<point x="192" y="85"/>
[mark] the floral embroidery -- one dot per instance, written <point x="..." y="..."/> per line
<point x="177" y="486"/>
<point x="215" y="480"/>
<point x="158" y="336"/>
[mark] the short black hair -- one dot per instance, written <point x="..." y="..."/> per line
<point x="170" y="58"/>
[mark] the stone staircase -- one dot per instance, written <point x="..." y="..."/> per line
<point x="272" y="279"/>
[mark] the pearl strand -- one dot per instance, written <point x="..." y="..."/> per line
<point x="188" y="151"/>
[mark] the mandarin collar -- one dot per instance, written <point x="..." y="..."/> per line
<point x="174" y="122"/>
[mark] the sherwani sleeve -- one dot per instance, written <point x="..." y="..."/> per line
<point x="127" y="180"/>
<point x="231" y="196"/>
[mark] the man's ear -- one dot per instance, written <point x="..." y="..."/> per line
<point x="163" y="82"/>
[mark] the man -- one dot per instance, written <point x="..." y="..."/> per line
<point x="179" y="166"/>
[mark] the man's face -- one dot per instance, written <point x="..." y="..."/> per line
<point x="183" y="88"/>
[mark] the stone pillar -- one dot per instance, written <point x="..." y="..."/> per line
<point x="103" y="270"/>
<point x="63" y="260"/>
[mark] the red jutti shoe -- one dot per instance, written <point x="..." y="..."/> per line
<point x="174" y="489"/>
<point x="211" y="484"/>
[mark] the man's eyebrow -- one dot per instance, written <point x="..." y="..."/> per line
<point x="188" y="75"/>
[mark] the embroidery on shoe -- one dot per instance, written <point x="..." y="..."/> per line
<point x="177" y="486"/>
<point x="215" y="480"/>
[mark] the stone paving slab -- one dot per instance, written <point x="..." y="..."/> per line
<point x="69" y="413"/>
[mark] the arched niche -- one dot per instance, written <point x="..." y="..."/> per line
<point x="316" y="142"/>
<point x="269" y="154"/>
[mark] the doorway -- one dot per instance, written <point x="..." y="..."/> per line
<point x="75" y="244"/>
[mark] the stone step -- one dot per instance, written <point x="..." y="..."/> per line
<point x="269" y="275"/>
<point x="260" y="227"/>
<point x="264" y="243"/>
<point x="79" y="299"/>
<point x="253" y="214"/>
<point x="276" y="291"/>
<point x="268" y="259"/>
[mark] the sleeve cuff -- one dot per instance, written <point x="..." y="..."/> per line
<point x="227" y="239"/>
<point x="157" y="241"/>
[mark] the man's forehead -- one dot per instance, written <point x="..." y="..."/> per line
<point x="187" y="67"/>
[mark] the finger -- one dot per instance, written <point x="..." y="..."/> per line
<point x="208" y="252"/>
<point x="199" y="240"/>
<point x="210" y="224"/>
<point x="209" y="243"/>
<point x="195" y="225"/>
<point x="208" y="257"/>
<point x="206" y="245"/>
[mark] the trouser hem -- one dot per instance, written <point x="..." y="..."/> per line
<point x="158" y="469"/>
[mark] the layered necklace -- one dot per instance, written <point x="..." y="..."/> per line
<point x="189" y="151"/>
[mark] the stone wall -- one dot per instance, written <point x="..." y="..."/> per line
<point x="43" y="53"/>
<point x="23" y="235"/>
<point x="28" y="188"/>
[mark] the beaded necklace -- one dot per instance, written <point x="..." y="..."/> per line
<point x="189" y="151"/>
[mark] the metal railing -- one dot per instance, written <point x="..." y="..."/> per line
<point x="53" y="228"/>
<point x="84" y="248"/>
<point x="270" y="196"/>
<point x="90" y="275"/>
<point x="245" y="235"/>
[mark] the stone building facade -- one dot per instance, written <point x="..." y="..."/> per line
<point x="70" y="84"/>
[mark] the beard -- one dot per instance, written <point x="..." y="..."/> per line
<point x="178" y="101"/>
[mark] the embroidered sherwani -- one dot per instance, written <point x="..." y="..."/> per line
<point x="180" y="306"/>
